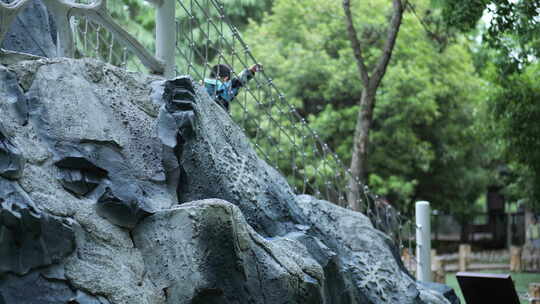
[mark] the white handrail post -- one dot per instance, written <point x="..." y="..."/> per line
<point x="166" y="35"/>
<point x="423" y="242"/>
<point x="65" y="46"/>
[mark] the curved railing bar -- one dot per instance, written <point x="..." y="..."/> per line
<point x="63" y="10"/>
<point x="98" y="13"/>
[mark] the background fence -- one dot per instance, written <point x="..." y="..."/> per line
<point x="489" y="230"/>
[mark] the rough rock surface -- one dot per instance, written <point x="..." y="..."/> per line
<point x="11" y="160"/>
<point x="218" y="258"/>
<point x="33" y="31"/>
<point x="217" y="161"/>
<point x="82" y="123"/>
<point x="446" y="291"/>
<point x="30" y="238"/>
<point x="159" y="198"/>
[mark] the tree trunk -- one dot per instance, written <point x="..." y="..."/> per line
<point x="367" y="101"/>
<point x="360" y="149"/>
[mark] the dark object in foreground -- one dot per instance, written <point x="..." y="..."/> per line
<point x="487" y="288"/>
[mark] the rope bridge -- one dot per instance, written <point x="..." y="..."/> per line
<point x="204" y="36"/>
<point x="283" y="137"/>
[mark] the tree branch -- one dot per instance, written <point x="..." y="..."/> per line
<point x="393" y="30"/>
<point x="355" y="43"/>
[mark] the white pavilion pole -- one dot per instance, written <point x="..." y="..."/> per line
<point x="423" y="241"/>
<point x="166" y="35"/>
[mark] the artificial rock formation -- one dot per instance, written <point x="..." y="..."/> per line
<point x="33" y="31"/>
<point x="11" y="161"/>
<point x="134" y="189"/>
<point x="30" y="238"/>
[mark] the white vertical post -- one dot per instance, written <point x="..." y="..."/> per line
<point x="65" y="46"/>
<point x="423" y="242"/>
<point x="166" y="35"/>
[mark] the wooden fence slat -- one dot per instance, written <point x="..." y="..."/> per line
<point x="515" y="258"/>
<point x="464" y="252"/>
<point x="534" y="293"/>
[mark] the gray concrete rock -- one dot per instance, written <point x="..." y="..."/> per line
<point x="39" y="287"/>
<point x="32" y="32"/>
<point x="217" y="161"/>
<point x="29" y="238"/>
<point x="14" y="111"/>
<point x="204" y="252"/>
<point x="33" y="289"/>
<point x="124" y="209"/>
<point x="11" y="160"/>
<point x="82" y="297"/>
<point x="12" y="93"/>
<point x="95" y="133"/>
<point x="103" y="145"/>
<point x="121" y="198"/>
<point x="113" y="153"/>
<point x="445" y="290"/>
<point x="367" y="255"/>
<point x="106" y="263"/>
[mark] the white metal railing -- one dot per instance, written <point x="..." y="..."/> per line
<point x="63" y="11"/>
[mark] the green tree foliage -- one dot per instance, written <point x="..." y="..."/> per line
<point x="424" y="139"/>
<point x="516" y="114"/>
<point x="508" y="58"/>
<point x="140" y="14"/>
<point x="513" y="24"/>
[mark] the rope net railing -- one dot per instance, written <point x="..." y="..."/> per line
<point x="279" y="133"/>
<point x="281" y="136"/>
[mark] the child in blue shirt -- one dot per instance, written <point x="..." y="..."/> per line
<point x="222" y="88"/>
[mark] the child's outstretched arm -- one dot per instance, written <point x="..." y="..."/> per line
<point x="245" y="76"/>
